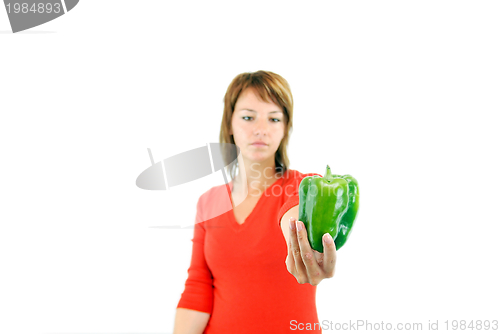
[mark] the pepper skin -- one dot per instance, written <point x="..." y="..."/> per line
<point x="328" y="205"/>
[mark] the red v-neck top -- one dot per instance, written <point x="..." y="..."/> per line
<point x="238" y="272"/>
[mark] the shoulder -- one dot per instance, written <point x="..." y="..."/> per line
<point x="291" y="182"/>
<point x="213" y="194"/>
<point x="294" y="176"/>
<point x="214" y="202"/>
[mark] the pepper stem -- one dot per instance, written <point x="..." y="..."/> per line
<point x="328" y="174"/>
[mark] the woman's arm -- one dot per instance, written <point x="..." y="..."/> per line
<point x="196" y="303"/>
<point x="285" y="226"/>
<point x="190" y="321"/>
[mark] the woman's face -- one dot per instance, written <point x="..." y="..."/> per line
<point x="255" y="121"/>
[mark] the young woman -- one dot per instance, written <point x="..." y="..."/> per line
<point x="250" y="264"/>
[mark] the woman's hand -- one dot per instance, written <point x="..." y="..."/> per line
<point x="303" y="262"/>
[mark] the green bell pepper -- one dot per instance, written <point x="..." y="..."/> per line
<point x="328" y="204"/>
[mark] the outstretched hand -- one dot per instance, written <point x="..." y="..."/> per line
<point x="305" y="263"/>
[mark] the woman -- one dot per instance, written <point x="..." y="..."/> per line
<point x="249" y="265"/>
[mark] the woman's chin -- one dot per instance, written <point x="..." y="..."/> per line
<point x="257" y="158"/>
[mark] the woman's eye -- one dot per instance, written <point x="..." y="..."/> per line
<point x="275" y="120"/>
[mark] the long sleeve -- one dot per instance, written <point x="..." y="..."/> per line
<point x="198" y="292"/>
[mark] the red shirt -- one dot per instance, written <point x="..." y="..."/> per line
<point x="238" y="272"/>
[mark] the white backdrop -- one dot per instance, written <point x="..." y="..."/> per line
<point x="401" y="95"/>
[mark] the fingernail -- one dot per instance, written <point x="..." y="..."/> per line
<point x="299" y="226"/>
<point x="292" y="225"/>
<point x="328" y="239"/>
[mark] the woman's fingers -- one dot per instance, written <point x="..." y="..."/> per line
<point x="312" y="268"/>
<point x="302" y="262"/>
<point x="300" y="269"/>
<point x="330" y="255"/>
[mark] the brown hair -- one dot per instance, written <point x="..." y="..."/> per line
<point x="270" y="87"/>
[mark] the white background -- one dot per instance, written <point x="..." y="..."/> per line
<point x="402" y="95"/>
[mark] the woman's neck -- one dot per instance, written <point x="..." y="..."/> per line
<point x="255" y="177"/>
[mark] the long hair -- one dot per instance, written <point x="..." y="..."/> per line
<point x="270" y="87"/>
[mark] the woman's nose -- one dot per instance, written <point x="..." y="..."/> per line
<point x="260" y="127"/>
